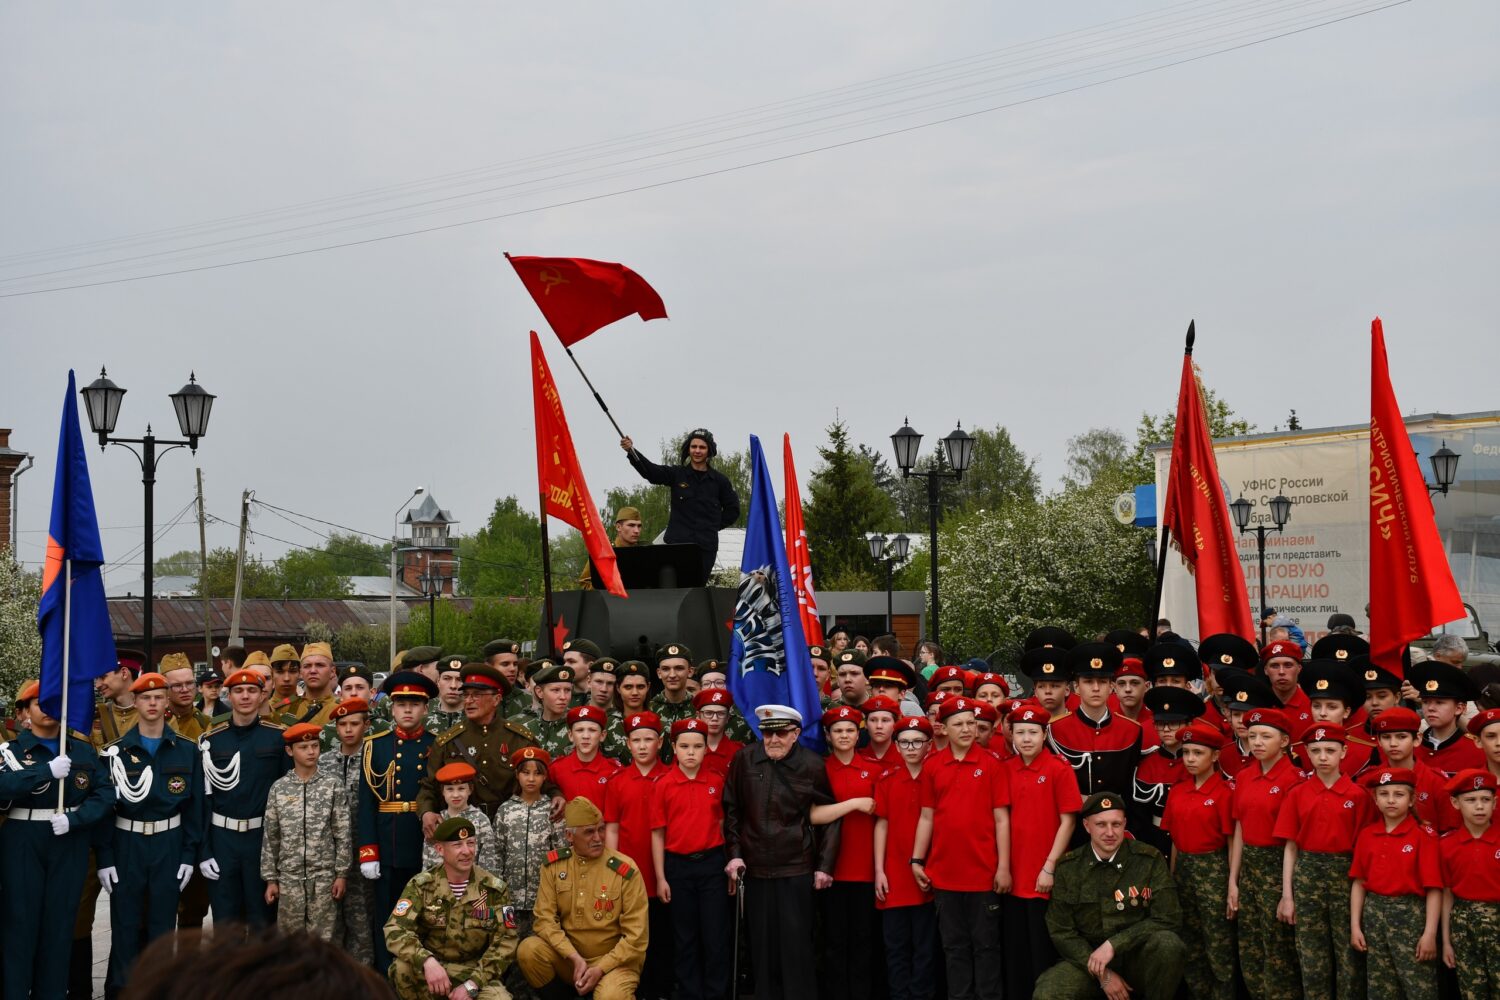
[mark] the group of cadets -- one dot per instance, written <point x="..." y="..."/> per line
<point x="1299" y="829"/>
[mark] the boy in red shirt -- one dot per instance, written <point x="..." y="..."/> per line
<point x="627" y="828"/>
<point x="881" y="714"/>
<point x="1445" y="691"/>
<point x="1397" y="896"/>
<point x="1485" y="728"/>
<point x="1470" y="859"/>
<point x="1043" y="790"/>
<point x="1396" y="732"/>
<point x="965" y="822"/>
<point x="1198" y="819"/>
<point x="687" y="847"/>
<point x="1320" y="820"/>
<point x="908" y="919"/>
<point x="585" y="770"/>
<point x="714" y="706"/>
<point x="1268" y="950"/>
<point x="849" y="904"/>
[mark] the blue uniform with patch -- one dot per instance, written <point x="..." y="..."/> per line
<point x="239" y="765"/>
<point x="38" y="866"/>
<point x="158" y="827"/>
<point x="390" y="828"/>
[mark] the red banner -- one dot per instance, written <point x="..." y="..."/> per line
<point x="578" y="296"/>
<point x="564" y="494"/>
<point x="1197" y="515"/>
<point x="1411" y="584"/>
<point x="797" y="555"/>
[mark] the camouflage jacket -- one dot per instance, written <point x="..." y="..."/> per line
<point x="523" y="838"/>
<point x="484" y="856"/>
<point x="347" y="771"/>
<point x="306" y="831"/>
<point x="550" y="736"/>
<point x="439" y="720"/>
<point x="473" y="937"/>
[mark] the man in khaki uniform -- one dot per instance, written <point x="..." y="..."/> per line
<point x="182" y="683"/>
<point x="627" y="535"/>
<point x="316" y="703"/>
<point x="590" y="919"/>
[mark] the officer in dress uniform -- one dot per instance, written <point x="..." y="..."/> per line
<point x="242" y="756"/>
<point x="1102" y="747"/>
<point x="149" y="854"/>
<point x="393" y="767"/>
<point x="44" y="851"/>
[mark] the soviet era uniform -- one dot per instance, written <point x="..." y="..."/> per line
<point x="394" y="765"/>
<point x="240" y="764"/>
<point x="190" y="727"/>
<point x="593" y="907"/>
<point x="158" y="828"/>
<point x="45" y="870"/>
<point x="305" y="848"/>
<point x="1129" y="900"/>
<point x="354" y="927"/>
<point x="298" y="708"/>
<point x="473" y="937"/>
<point x="485" y="748"/>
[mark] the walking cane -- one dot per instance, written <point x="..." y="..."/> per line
<point x="739" y="913"/>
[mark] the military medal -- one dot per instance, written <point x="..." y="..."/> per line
<point x="603" y="904"/>
<point x="1119" y="900"/>
<point x="1135" y="896"/>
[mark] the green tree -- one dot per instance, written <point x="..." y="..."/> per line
<point x="309" y="574"/>
<point x="504" y="558"/>
<point x="183" y="563"/>
<point x="464" y="632"/>
<point x="999" y="474"/>
<point x="352" y="555"/>
<point x="1222" y="423"/>
<point x="368" y="644"/>
<point x="260" y="579"/>
<point x="20" y="643"/>
<point x="1097" y="451"/>
<point x="843" y="505"/>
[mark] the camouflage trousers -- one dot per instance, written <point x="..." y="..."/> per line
<point x="410" y="983"/>
<point x="1476" y="942"/>
<point x="1331" y="968"/>
<point x="354" y="928"/>
<point x="1203" y="886"/>
<point x="1268" y="947"/>
<point x="1392" y="926"/>
<point x="307" y="905"/>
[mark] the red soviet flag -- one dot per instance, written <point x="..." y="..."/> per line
<point x="579" y="296"/>
<point x="1411" y="583"/>
<point x="565" y="495"/>
<point x="1197" y="515"/>
<point x="798" y="558"/>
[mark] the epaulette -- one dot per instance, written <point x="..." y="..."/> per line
<point x="1141" y="847"/>
<point x="1076" y="852"/>
<point x="561" y="854"/>
<point x="1127" y="719"/>
<point x="520" y="729"/>
<point x="218" y="727"/>
<point x="272" y="725"/>
<point x="620" y="867"/>
<point x="216" y="720"/>
<point x="446" y="737"/>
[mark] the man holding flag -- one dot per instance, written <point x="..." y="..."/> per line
<point x="51" y="775"/>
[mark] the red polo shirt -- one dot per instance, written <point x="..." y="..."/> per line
<point x="1298" y="709"/>
<point x="854" y="780"/>
<point x="885" y="763"/>
<point x="1233" y="760"/>
<point x="1258" y="799"/>
<point x="1471" y="865"/>
<point x="1399" y="862"/>
<point x="627" y="801"/>
<point x="1199" y="817"/>
<point x="575" y="777"/>
<point x="1458" y="752"/>
<point x="963" y="796"/>
<point x="1323" y="819"/>
<point x="690" y="809"/>
<point x="717" y="759"/>
<point x="898" y="801"/>
<point x="1433" y="805"/>
<point x="1040" y="794"/>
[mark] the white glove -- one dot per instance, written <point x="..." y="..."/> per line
<point x="60" y="766"/>
<point x="60" y="824"/>
<point x="210" y="869"/>
<point x="109" y="878"/>
<point x="184" y="876"/>
<point x="370" y="869"/>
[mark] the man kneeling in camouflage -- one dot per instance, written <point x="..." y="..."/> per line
<point x="452" y="933"/>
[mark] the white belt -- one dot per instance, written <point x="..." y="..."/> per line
<point x="38" y="815"/>
<point x="238" y="825"/>
<point x="147" y="828"/>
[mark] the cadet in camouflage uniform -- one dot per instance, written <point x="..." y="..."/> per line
<point x="440" y="943"/>
<point x="505" y="656"/>
<point x="674" y="667"/>
<point x="484" y="741"/>
<point x="711" y="676"/>
<point x="356" y="681"/>
<point x="344" y="763"/>
<point x="306" y="846"/>
<point x="1114" y="914"/>
<point x="601" y="690"/>
<point x="553" y="685"/>
<point x="1470" y="863"/>
<point x="632" y="692"/>
<point x="457" y="783"/>
<point x="447" y="709"/>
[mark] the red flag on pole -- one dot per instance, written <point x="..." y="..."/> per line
<point x="565" y="495"/>
<point x="796" y="550"/>
<point x="1197" y="515"/>
<point x="1411" y="584"/>
<point x="578" y="296"/>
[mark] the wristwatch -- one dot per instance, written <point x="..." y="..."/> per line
<point x="917" y="861"/>
<point x="471" y="987"/>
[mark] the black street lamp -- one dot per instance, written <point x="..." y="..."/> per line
<point x="432" y="586"/>
<point x="958" y="448"/>
<point x="101" y="398"/>
<point x="1444" y="469"/>
<point x="1281" y="513"/>
<point x="891" y="551"/>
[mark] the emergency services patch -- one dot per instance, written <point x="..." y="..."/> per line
<point x="176" y="784"/>
<point x="81" y="780"/>
<point x="402" y="908"/>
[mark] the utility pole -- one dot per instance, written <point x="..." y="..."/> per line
<point x="239" y="570"/>
<point x="208" y="627"/>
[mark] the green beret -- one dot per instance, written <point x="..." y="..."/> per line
<point x="497" y="646"/>
<point x="451" y="665"/>
<point x="712" y="667"/>
<point x="633" y="668"/>
<point x="818" y="653"/>
<point x="1102" y="802"/>
<point x="604" y="665"/>
<point x="673" y="651"/>
<point x="853" y="656"/>
<point x="548" y="672"/>
<point x="418" y="655"/>
<point x="352" y="670"/>
<point x="453" y="829"/>
<point x="583" y="646"/>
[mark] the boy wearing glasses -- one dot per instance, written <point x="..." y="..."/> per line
<point x="908" y="919"/>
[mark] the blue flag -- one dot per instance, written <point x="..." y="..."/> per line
<point x="769" y="662"/>
<point x="73" y="542"/>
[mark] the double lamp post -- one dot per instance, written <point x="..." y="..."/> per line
<point x="958" y="449"/>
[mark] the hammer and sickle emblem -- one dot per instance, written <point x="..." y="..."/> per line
<point x="551" y="277"/>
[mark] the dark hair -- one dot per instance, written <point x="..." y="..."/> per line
<point x="887" y="644"/>
<point x="235" y="654"/>
<point x="194" y="965"/>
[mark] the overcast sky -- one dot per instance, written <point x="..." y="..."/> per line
<point x="1033" y="267"/>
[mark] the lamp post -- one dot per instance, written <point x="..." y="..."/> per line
<point x="1444" y="469"/>
<point x="891" y="551"/>
<point x="958" y="447"/>
<point x="1281" y="513"/>
<point x="101" y="399"/>
<point x="432" y="586"/>
<point x="395" y="541"/>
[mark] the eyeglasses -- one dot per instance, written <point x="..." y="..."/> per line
<point x="910" y="744"/>
<point x="713" y="713"/>
<point x="183" y="686"/>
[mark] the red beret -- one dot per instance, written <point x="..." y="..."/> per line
<point x="914" y="723"/>
<point x="942" y="675"/>
<point x="642" y="720"/>
<point x="149" y="682"/>
<point x="689" y="726"/>
<point x="1483" y="720"/>
<point x="985" y="712"/>
<point x="880" y="703"/>
<point x="1396" y="720"/>
<point x="28" y="692"/>
<point x="1203" y="735"/>
<point x="937" y="697"/>
<point x="1381" y="776"/>
<point x="348" y="707"/>
<point x="301" y="731"/>
<point x="1324" y="732"/>
<point x="991" y="678"/>
<point x="1281" y="647"/>
<point x="1034" y="714"/>
<point x="1273" y="717"/>
<point x="843" y="713"/>
<point x="524" y="754"/>
<point x="587" y="713"/>
<point x="1131" y="667"/>
<point x="1472" y="779"/>
<point x="713" y="696"/>
<point x="456" y="771"/>
<point x="957" y="706"/>
<point x="243" y="677"/>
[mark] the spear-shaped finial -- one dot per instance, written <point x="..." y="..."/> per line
<point x="1192" y="335"/>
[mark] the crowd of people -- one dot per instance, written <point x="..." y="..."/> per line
<point x="1151" y="816"/>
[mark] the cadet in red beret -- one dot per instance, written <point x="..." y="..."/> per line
<point x="881" y="713"/>
<point x="952" y="680"/>
<point x="457" y="783"/>
<point x="715" y="708"/>
<point x="849" y="904"/>
<point x="1397" y="897"/>
<point x="907" y="916"/>
<point x="1130" y="693"/>
<point x="1470" y="859"/>
<point x="584" y="770"/>
<point x="1199" y="820"/>
<point x="1396" y="731"/>
<point x="1485" y="728"/>
<point x="991" y="687"/>
<point x="935" y="701"/>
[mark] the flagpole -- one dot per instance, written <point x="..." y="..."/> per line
<point x="67" y="643"/>
<point x="547" y="578"/>
<point x="597" y="398"/>
<point x="1166" y="532"/>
